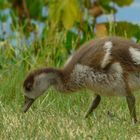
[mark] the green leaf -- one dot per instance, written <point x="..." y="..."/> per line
<point x="67" y="12"/>
<point x="55" y="12"/>
<point x="70" y="13"/>
<point x="35" y="8"/>
<point x="123" y="2"/>
<point x="5" y="4"/>
<point x="109" y="9"/>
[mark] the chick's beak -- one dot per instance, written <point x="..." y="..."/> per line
<point x="27" y="104"/>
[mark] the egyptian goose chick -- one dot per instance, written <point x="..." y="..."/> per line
<point x="109" y="66"/>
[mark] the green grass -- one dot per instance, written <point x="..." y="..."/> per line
<point x="56" y="116"/>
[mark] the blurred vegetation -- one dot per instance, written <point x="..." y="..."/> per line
<point x="57" y="28"/>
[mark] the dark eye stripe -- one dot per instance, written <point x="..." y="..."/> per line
<point x="28" y="87"/>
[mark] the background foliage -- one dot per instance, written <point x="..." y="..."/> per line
<point x="40" y="22"/>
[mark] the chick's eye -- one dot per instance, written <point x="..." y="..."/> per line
<point x="28" y="87"/>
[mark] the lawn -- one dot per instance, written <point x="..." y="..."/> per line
<point x="57" y="116"/>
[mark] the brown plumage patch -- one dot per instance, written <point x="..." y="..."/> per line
<point x="91" y="54"/>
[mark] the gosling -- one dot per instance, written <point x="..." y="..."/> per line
<point x="108" y="66"/>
